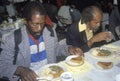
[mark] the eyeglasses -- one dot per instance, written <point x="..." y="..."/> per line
<point x="36" y="24"/>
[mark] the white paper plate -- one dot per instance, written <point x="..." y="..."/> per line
<point x="44" y="70"/>
<point x="93" y="51"/>
<point x="98" y="68"/>
<point x="67" y="60"/>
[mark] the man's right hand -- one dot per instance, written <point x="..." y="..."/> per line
<point x="26" y="74"/>
<point x="102" y="36"/>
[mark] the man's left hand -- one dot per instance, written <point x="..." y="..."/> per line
<point x="75" y="51"/>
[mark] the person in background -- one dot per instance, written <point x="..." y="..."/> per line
<point x="67" y="14"/>
<point x="110" y="6"/>
<point x="81" y="33"/>
<point x="114" y="19"/>
<point x="39" y="46"/>
<point x="81" y="4"/>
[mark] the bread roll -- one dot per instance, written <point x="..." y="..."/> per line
<point x="77" y="60"/>
<point x="105" y="65"/>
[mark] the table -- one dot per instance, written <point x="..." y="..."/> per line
<point x="93" y="73"/>
<point x="7" y="27"/>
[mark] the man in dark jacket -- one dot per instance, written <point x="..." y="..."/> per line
<point x="80" y="34"/>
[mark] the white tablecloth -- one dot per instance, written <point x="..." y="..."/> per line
<point x="97" y="74"/>
<point x="90" y="72"/>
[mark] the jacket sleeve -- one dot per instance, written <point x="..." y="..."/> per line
<point x="61" y="49"/>
<point x="7" y="68"/>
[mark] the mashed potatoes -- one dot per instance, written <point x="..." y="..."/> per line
<point x="53" y="71"/>
<point x="101" y="52"/>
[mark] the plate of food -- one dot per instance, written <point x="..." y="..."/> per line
<point x="101" y="53"/>
<point x="104" y="66"/>
<point x="51" y="70"/>
<point x="74" y="60"/>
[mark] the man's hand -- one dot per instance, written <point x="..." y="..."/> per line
<point x="26" y="74"/>
<point x="75" y="51"/>
<point x="101" y="37"/>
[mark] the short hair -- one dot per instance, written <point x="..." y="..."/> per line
<point x="88" y="13"/>
<point x="32" y="8"/>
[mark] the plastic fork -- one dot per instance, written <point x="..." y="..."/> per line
<point x="49" y="78"/>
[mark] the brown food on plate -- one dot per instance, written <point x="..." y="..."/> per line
<point x="103" y="52"/>
<point x="56" y="71"/>
<point x="77" y="59"/>
<point x="105" y="65"/>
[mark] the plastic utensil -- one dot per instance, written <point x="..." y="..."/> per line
<point x="49" y="78"/>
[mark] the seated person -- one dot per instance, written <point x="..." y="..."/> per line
<point x="39" y="46"/>
<point x="80" y="34"/>
<point x="115" y="19"/>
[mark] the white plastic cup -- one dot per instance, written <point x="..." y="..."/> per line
<point x="108" y="40"/>
<point x="117" y="78"/>
<point x="10" y="20"/>
<point x="16" y="25"/>
<point x="66" y="76"/>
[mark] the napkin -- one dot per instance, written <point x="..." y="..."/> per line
<point x="77" y="70"/>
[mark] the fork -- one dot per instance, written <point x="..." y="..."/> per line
<point x="45" y="78"/>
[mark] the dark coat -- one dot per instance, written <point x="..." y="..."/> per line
<point x="76" y="38"/>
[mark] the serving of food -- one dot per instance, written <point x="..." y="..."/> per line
<point x="51" y="70"/>
<point x="75" y="60"/>
<point x="103" y="58"/>
<point x="105" y="65"/>
<point x="101" y="53"/>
